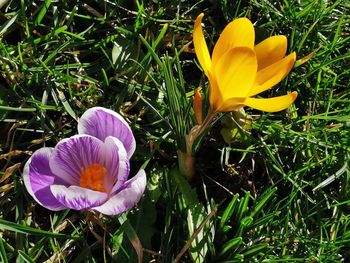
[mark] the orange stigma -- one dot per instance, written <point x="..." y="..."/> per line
<point x="92" y="177"/>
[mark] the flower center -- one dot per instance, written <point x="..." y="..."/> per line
<point x="92" y="177"/>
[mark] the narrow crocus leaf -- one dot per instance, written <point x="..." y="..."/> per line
<point x="228" y="211"/>
<point x="262" y="201"/>
<point x="18" y="228"/>
<point x="134" y="239"/>
<point x="231" y="245"/>
<point x="66" y="104"/>
<point x="255" y="250"/>
<point x="3" y="255"/>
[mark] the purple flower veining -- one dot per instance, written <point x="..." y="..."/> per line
<point x="88" y="171"/>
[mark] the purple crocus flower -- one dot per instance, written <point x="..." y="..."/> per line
<point x="88" y="171"/>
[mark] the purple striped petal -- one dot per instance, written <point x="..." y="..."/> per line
<point x="78" y="198"/>
<point x="126" y="198"/>
<point x="74" y="153"/>
<point x="117" y="164"/>
<point x="37" y="178"/>
<point x="101" y="123"/>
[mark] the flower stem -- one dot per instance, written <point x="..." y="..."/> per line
<point x="198" y="130"/>
<point x="186" y="159"/>
<point x="186" y="164"/>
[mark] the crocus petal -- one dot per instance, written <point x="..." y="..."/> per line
<point x="232" y="104"/>
<point x="272" y="104"/>
<point x="270" y="51"/>
<point x="215" y="97"/>
<point x="117" y="164"/>
<point x="127" y="197"/>
<point x="37" y="178"/>
<point x="235" y="72"/>
<point x="101" y="123"/>
<point x="200" y="45"/>
<point x="238" y="33"/>
<point x="74" y="153"/>
<point x="78" y="198"/>
<point x="273" y="74"/>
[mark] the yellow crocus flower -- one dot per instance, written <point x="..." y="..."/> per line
<point x="238" y="70"/>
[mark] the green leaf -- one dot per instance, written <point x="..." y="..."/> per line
<point x="260" y="221"/>
<point x="143" y="220"/>
<point x="231" y="245"/>
<point x="178" y="103"/>
<point x="262" y="201"/>
<point x="29" y="230"/>
<point x="228" y="211"/>
<point x="153" y="185"/>
<point x="254" y="250"/>
<point x="247" y="221"/>
<point x="3" y="254"/>
<point x="151" y="49"/>
<point x="4" y="27"/>
<point x="244" y="223"/>
<point x="189" y="194"/>
<point x="204" y="238"/>
<point x="54" y="33"/>
<point x="7" y="108"/>
<point x="123" y="51"/>
<point x="242" y="207"/>
<point x="117" y="240"/>
<point x="66" y="105"/>
<point x="131" y="234"/>
<point x="25" y="257"/>
<point x="42" y="12"/>
<point x="116" y="52"/>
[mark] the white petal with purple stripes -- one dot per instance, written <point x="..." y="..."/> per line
<point x="37" y="178"/>
<point x="74" y="153"/>
<point x="78" y="198"/>
<point x="101" y="123"/>
<point x="117" y="164"/>
<point x="126" y="198"/>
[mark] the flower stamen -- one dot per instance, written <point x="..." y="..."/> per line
<point x="92" y="177"/>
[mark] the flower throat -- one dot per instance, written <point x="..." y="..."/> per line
<point x="92" y="177"/>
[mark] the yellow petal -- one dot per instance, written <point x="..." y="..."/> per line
<point x="200" y="45"/>
<point x="231" y="104"/>
<point x="238" y="33"/>
<point x="272" y="104"/>
<point x="235" y="72"/>
<point x="215" y="98"/>
<point x="270" y="51"/>
<point x="273" y="74"/>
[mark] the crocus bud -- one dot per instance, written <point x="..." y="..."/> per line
<point x="197" y="105"/>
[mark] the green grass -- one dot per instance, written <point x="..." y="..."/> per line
<point x="280" y="193"/>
